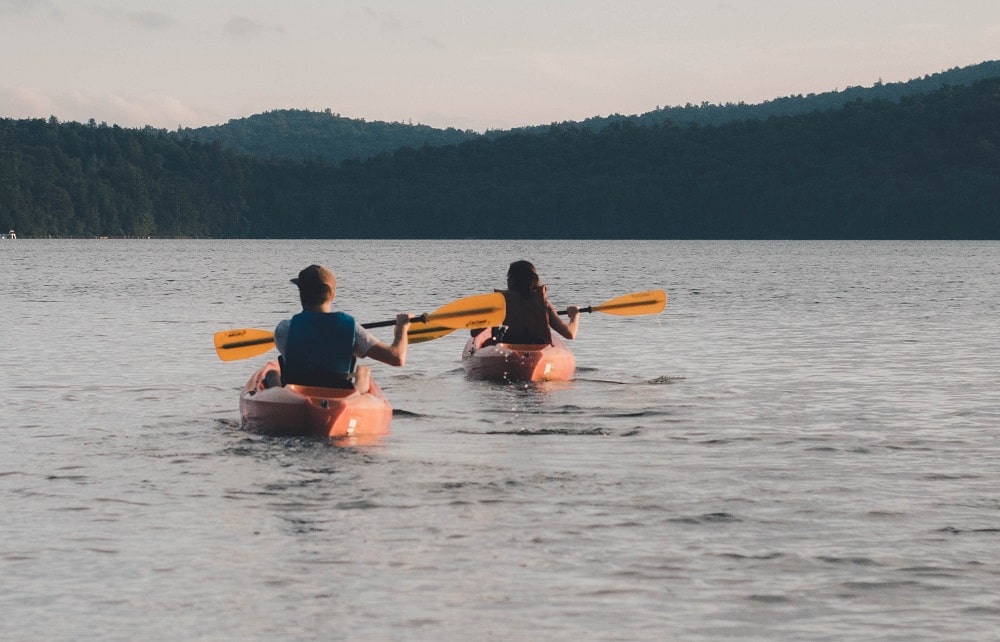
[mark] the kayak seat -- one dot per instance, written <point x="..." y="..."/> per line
<point x="496" y="335"/>
<point x="525" y="339"/>
<point x="272" y="379"/>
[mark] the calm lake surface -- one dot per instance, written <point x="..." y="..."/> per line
<point x="804" y="446"/>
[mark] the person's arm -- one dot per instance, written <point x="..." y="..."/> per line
<point x="567" y="330"/>
<point x="281" y="335"/>
<point x="395" y="354"/>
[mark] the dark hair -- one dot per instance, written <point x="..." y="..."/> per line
<point x="522" y="278"/>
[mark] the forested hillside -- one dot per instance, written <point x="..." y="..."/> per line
<point x="709" y="114"/>
<point x="927" y="166"/>
<point x="324" y="135"/>
<point x="296" y="133"/>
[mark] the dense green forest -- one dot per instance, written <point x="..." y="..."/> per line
<point x="925" y="166"/>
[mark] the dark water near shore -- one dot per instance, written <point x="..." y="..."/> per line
<point x="804" y="446"/>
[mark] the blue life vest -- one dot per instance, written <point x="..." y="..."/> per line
<point x="319" y="350"/>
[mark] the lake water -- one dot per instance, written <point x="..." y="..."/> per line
<point x="804" y="446"/>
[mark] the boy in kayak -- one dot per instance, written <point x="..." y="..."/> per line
<point x="319" y="347"/>
<point x="530" y="317"/>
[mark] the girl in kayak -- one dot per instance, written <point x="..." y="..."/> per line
<point x="530" y="317"/>
<point x="319" y="347"/>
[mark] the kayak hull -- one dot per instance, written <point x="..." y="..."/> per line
<point x="344" y="415"/>
<point x="482" y="359"/>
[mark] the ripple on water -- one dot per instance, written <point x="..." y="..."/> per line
<point x="707" y="518"/>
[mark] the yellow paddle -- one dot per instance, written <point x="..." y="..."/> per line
<point x="634" y="304"/>
<point x="242" y="343"/>
<point x="479" y="311"/>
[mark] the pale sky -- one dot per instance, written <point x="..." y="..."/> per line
<point x="467" y="64"/>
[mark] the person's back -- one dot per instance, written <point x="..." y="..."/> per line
<point x="527" y="318"/>
<point x="530" y="317"/>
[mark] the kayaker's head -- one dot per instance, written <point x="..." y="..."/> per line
<point x="317" y="285"/>
<point x="522" y="278"/>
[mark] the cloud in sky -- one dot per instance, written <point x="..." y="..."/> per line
<point x="386" y="22"/>
<point x="241" y="27"/>
<point x="9" y="7"/>
<point x="26" y="100"/>
<point x="434" y="43"/>
<point x="154" y="20"/>
<point x="130" y="110"/>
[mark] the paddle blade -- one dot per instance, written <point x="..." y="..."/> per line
<point x="421" y="331"/>
<point x="652" y="302"/>
<point x="243" y="343"/>
<point x="472" y="312"/>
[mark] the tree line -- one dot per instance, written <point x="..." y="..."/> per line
<point x="925" y="166"/>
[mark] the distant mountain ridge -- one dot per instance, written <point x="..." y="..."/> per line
<point x="304" y="135"/>
<point x="708" y="114"/>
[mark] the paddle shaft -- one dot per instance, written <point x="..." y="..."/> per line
<point x="425" y="317"/>
<point x="232" y="345"/>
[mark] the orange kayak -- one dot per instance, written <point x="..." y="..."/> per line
<point x="484" y="359"/>
<point x="344" y="415"/>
